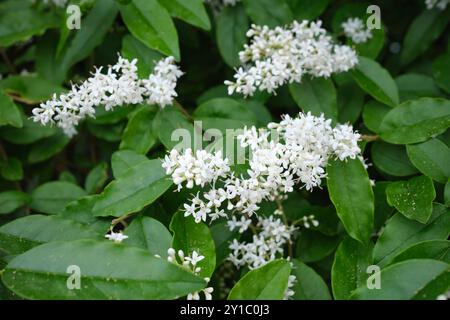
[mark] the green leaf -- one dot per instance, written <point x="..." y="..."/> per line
<point x="402" y="281"/>
<point x="271" y="13"/>
<point x="31" y="89"/>
<point x="447" y="194"/>
<point x="13" y="200"/>
<point x="423" y="31"/>
<point x="25" y="233"/>
<point x="190" y="236"/>
<point x="376" y="81"/>
<point x="416" y="121"/>
<point x="268" y="282"/>
<point x="232" y="26"/>
<point x="29" y="133"/>
<point x="52" y="197"/>
<point x="138" y="134"/>
<point x="172" y="126"/>
<point x="222" y="237"/>
<point x="413" y="198"/>
<point x="382" y="209"/>
<point x="123" y="160"/>
<point x="350" y="101"/>
<point x="12" y="170"/>
<point x="392" y="159"/>
<point x="47" y="148"/>
<point x="135" y="189"/>
<point x="373" y="114"/>
<point x="150" y="23"/>
<point x="108" y="271"/>
<point x="9" y="112"/>
<point x="414" y="86"/>
<point x="150" y="234"/>
<point x="147" y="58"/>
<point x="96" y="178"/>
<point x="308" y="285"/>
<point x="313" y="246"/>
<point x="192" y="12"/>
<point x="20" y="24"/>
<point x="441" y="71"/>
<point x="401" y="232"/>
<point x="316" y="95"/>
<point x="223" y="114"/>
<point x="349" y="268"/>
<point x="81" y="211"/>
<point x="307" y="9"/>
<point x="352" y="195"/>
<point x="432" y="158"/>
<point x="431" y="249"/>
<point x="93" y="30"/>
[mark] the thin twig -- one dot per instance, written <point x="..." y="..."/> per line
<point x="369" y="138"/>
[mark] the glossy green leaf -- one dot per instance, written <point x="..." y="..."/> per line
<point x="132" y="48"/>
<point x="308" y="284"/>
<point x="413" y="198"/>
<point x="431" y="249"/>
<point x="223" y="114"/>
<point x="192" y="12"/>
<point x="350" y="268"/>
<point x="123" y="160"/>
<point x="392" y="159"/>
<point x="13" y="200"/>
<point x="108" y="271"/>
<point x="307" y="9"/>
<point x="268" y="282"/>
<point x="414" y="86"/>
<point x="313" y="246"/>
<point x="135" y="189"/>
<point x="441" y="72"/>
<point x="422" y="32"/>
<point x="272" y="13"/>
<point x="190" y="236"/>
<point x="373" y="114"/>
<point x="432" y="158"/>
<point x="150" y="234"/>
<point x="401" y="232"/>
<point x="376" y="81"/>
<point x="96" y="178"/>
<point x="138" y="134"/>
<point x="52" y="197"/>
<point x="402" y="281"/>
<point x="316" y="95"/>
<point x="9" y="112"/>
<point x="11" y="169"/>
<point x="352" y="195"/>
<point x="149" y="22"/>
<point x="416" y="121"/>
<point x="25" y="233"/>
<point x="232" y="26"/>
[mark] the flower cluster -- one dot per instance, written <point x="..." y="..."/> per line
<point x="190" y="263"/>
<point x="298" y="153"/>
<point x="199" y="168"/>
<point x="355" y="29"/>
<point x="217" y="5"/>
<point x="440" y="4"/>
<point x="278" y="56"/>
<point x="119" y="86"/>
<point x="266" y="245"/>
<point x="117" y="237"/>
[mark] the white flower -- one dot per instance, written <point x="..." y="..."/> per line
<point x="190" y="263"/>
<point x="440" y="4"/>
<point x="297" y="154"/>
<point x="119" y="86"/>
<point x="289" y="292"/>
<point x="241" y="224"/>
<point x="355" y="29"/>
<point x="116" y="236"/>
<point x="197" y="169"/>
<point x="278" y="56"/>
<point x="57" y="3"/>
<point x="266" y="245"/>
